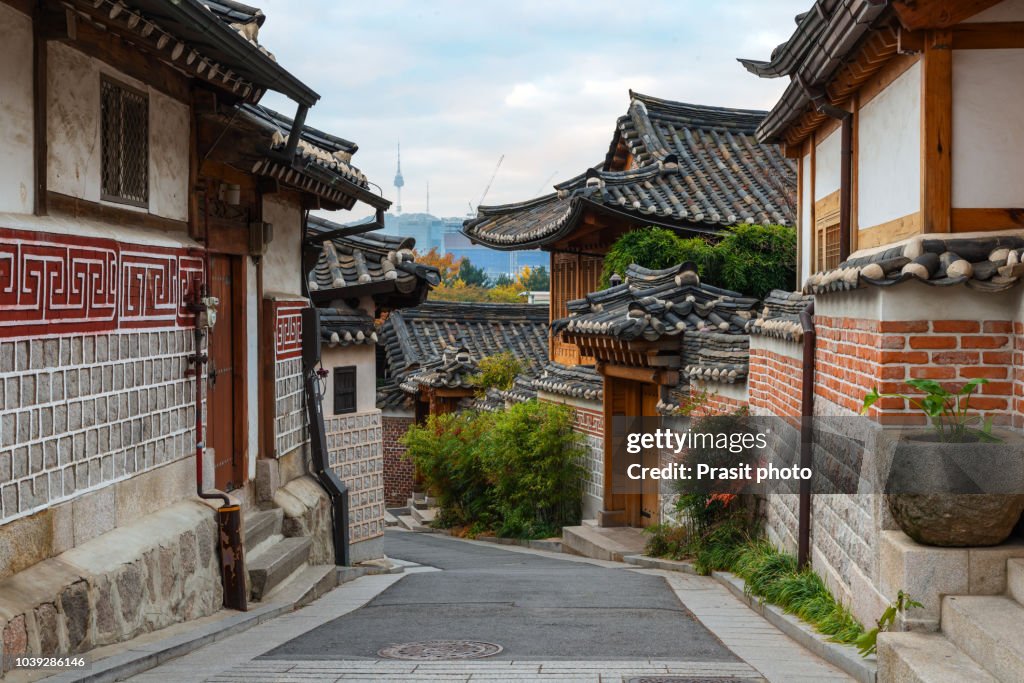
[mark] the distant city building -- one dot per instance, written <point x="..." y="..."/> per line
<point x="431" y="232"/>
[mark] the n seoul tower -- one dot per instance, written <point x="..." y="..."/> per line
<point x="399" y="181"/>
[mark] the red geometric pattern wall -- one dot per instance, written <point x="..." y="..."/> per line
<point x="288" y="328"/>
<point x="61" y="284"/>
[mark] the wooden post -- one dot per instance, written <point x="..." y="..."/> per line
<point x="39" y="96"/>
<point x="937" y="132"/>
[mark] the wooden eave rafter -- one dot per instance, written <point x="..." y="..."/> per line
<point x="915" y="15"/>
<point x="151" y="39"/>
<point x="880" y="46"/>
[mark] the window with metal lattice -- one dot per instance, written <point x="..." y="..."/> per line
<point x="345" y="390"/>
<point x="124" y="133"/>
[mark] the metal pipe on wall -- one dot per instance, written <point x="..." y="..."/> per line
<point x="806" y="434"/>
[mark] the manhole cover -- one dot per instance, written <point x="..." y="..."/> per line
<point x="687" y="679"/>
<point x="437" y="650"/>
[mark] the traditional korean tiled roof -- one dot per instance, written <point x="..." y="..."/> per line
<point x="576" y="381"/>
<point x="346" y="326"/>
<point x="322" y="162"/>
<point x="453" y="369"/>
<point x="780" y="317"/>
<point x="416" y="338"/>
<point x="989" y="262"/>
<point x="652" y="304"/>
<point x="695" y="167"/>
<point x="824" y="40"/>
<point x="345" y="263"/>
<point x="215" y="41"/>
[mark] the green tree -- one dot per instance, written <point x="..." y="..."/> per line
<point x="471" y="275"/>
<point x="750" y="259"/>
<point x="536" y="279"/>
<point x="504" y="280"/>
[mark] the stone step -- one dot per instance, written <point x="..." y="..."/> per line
<point x="410" y="523"/>
<point x="276" y="563"/>
<point x="988" y="629"/>
<point x="1015" y="579"/>
<point x="602" y="543"/>
<point x="421" y="503"/>
<point x="305" y="585"/>
<point x="259" y="526"/>
<point x="926" y="658"/>
<point x="390" y="519"/>
<point x="424" y="516"/>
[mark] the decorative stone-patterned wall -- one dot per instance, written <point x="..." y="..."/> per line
<point x="83" y="411"/>
<point x="93" y="345"/>
<point x="355" y="451"/>
<point x="289" y="402"/>
<point x="589" y="422"/>
<point x="398" y="470"/>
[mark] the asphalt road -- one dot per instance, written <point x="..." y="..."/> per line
<point x="535" y="607"/>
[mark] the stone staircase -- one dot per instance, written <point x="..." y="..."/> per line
<point x="421" y="510"/>
<point x="602" y="543"/>
<point x="981" y="640"/>
<point x="274" y="561"/>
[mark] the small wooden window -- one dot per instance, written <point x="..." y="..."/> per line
<point x="124" y="138"/>
<point x="345" y="390"/>
<point x="827" y="251"/>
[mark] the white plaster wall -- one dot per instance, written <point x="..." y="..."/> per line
<point x="169" y="127"/>
<point x="73" y="129"/>
<point x="1008" y="10"/>
<point x="282" y="263"/>
<point x="16" y="152"/>
<point x="737" y="391"/>
<point x="918" y="301"/>
<point x="889" y="152"/>
<point x="806" y="229"/>
<point x="364" y="357"/>
<point x="827" y="159"/>
<point x="988" y="137"/>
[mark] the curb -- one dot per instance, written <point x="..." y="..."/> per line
<point x="541" y="544"/>
<point x="844" y="657"/>
<point x="143" y="658"/>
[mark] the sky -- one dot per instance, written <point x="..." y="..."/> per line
<point x="463" y="82"/>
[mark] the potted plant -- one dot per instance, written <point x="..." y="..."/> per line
<point x="958" y="483"/>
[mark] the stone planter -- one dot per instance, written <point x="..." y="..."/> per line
<point x="955" y="494"/>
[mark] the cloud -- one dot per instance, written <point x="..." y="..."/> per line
<point x="542" y="83"/>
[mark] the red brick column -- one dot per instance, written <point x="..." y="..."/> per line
<point x="398" y="470"/>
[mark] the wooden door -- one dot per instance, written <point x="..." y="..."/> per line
<point x="222" y="417"/>
<point x="649" y="508"/>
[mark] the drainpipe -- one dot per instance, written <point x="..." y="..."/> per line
<point x="329" y="481"/>
<point x="229" y="515"/>
<point x="820" y="102"/>
<point x="806" y="434"/>
<point x="296" y="132"/>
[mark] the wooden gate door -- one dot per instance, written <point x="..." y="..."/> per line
<point x="649" y="508"/>
<point x="221" y="422"/>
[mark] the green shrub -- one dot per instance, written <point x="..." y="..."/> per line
<point x="532" y="456"/>
<point x="498" y="371"/>
<point x="445" y="450"/>
<point x="751" y="259"/>
<point x="667" y="540"/>
<point x="516" y="472"/>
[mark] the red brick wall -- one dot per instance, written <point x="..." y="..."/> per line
<point x="716" y="404"/>
<point x="853" y="356"/>
<point x="774" y="382"/>
<point x="398" y="471"/>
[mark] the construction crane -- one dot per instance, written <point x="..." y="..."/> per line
<point x="487" y="189"/>
<point x="545" y="184"/>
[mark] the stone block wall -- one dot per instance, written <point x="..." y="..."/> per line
<point x="355" y="451"/>
<point x="142" y="577"/>
<point x="398" y="470"/>
<point x="589" y="423"/>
